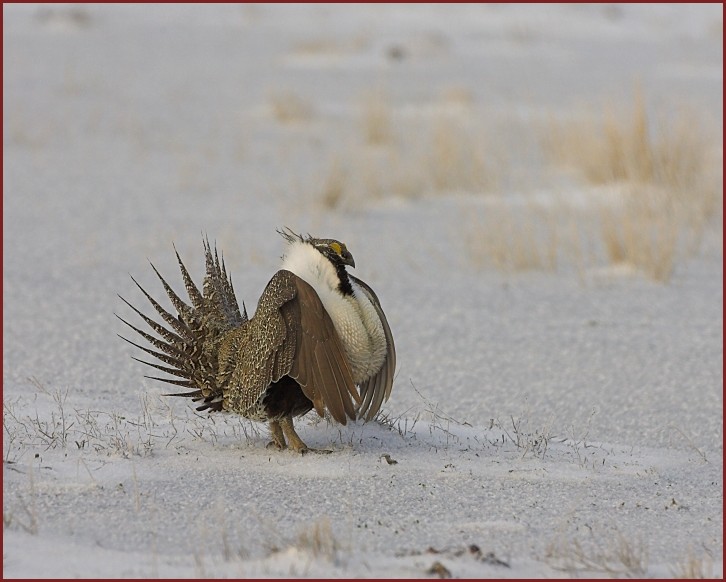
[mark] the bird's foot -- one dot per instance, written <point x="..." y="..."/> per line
<point x="317" y="451"/>
<point x="294" y="441"/>
<point x="303" y="450"/>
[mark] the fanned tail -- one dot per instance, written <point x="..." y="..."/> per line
<point x="188" y="344"/>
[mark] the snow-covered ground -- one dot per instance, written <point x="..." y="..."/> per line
<point x="557" y="423"/>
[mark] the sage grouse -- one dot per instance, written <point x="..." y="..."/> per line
<point x="318" y="332"/>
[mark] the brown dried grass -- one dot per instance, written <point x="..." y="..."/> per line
<point x="376" y="118"/>
<point x="668" y="179"/>
<point x="289" y="107"/>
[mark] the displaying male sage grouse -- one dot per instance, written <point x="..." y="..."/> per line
<point x="318" y="332"/>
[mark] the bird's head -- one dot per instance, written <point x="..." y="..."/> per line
<point x="334" y="250"/>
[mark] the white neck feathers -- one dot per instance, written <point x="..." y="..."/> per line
<point x="354" y="316"/>
<point x="311" y="266"/>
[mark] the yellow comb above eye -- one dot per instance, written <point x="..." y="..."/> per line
<point x="337" y="249"/>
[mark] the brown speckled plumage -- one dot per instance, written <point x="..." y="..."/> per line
<point x="282" y="362"/>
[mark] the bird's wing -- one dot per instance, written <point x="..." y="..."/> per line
<point x="292" y="334"/>
<point x="377" y="389"/>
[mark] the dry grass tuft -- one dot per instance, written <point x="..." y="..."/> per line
<point x="694" y="566"/>
<point x="612" y="147"/>
<point x="334" y="186"/>
<point x="457" y="159"/>
<point x="319" y="540"/>
<point x="434" y="150"/>
<point x="457" y="95"/>
<point x="514" y="239"/>
<point x="317" y="46"/>
<point x="288" y="107"/>
<point x="377" y="126"/>
<point x="329" y="46"/>
<point x="669" y="191"/>
<point x="612" y="555"/>
<point x="110" y="433"/>
<point x="642" y="231"/>
<point x="644" y="192"/>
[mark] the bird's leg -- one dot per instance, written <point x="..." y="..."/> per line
<point x="288" y="430"/>
<point x="278" y="438"/>
<point x="295" y="441"/>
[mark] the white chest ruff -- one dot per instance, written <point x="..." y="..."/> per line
<point x="355" y="317"/>
<point x="359" y="327"/>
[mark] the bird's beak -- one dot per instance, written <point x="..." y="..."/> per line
<point x="348" y="259"/>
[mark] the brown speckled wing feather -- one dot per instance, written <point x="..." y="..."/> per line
<point x="292" y="334"/>
<point x="320" y="365"/>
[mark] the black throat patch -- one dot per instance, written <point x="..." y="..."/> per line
<point x="345" y="287"/>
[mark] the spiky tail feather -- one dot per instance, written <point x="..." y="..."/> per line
<point x="188" y="345"/>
